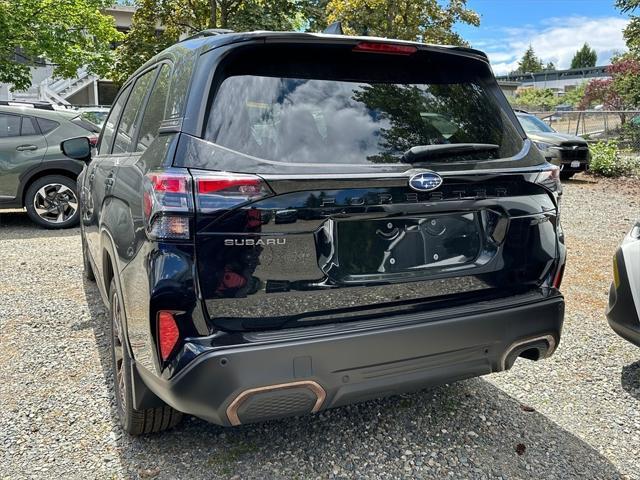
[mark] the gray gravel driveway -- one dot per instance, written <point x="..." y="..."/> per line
<point x="576" y="415"/>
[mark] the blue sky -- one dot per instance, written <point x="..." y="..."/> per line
<point x="555" y="28"/>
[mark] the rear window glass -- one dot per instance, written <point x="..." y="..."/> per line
<point x="47" y="126"/>
<point x="366" y="109"/>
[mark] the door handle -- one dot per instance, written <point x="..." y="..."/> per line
<point x="24" y="148"/>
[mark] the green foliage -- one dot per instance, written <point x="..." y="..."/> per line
<point x="550" y="66"/>
<point x="575" y="96"/>
<point x="631" y="133"/>
<point x="536" y="98"/>
<point x="425" y="20"/>
<point x="67" y="34"/>
<point x="530" y="63"/>
<point x="585" y="57"/>
<point x="430" y="21"/>
<point x="179" y="18"/>
<point x="622" y="90"/>
<point x="607" y="161"/>
<point x="632" y="31"/>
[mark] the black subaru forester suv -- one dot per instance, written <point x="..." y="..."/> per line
<point x="283" y="223"/>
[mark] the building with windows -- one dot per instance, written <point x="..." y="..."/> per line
<point x="84" y="89"/>
<point x="560" y="81"/>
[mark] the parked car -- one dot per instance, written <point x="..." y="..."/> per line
<point x="278" y="227"/>
<point x="96" y="114"/>
<point x="623" y="312"/>
<point x="569" y="152"/>
<point x="33" y="171"/>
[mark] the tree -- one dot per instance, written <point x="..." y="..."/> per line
<point x="574" y="96"/>
<point x="621" y="91"/>
<point x="429" y="21"/>
<point x="585" y="57"/>
<point x="535" y="98"/>
<point x="632" y="31"/>
<point x="529" y="63"/>
<point x="550" y="66"/>
<point x="66" y="34"/>
<point x="179" y="18"/>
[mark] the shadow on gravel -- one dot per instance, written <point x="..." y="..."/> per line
<point x="17" y="225"/>
<point x="630" y="379"/>
<point x="469" y="429"/>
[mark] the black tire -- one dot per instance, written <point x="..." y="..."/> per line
<point x="134" y="421"/>
<point x="566" y="175"/>
<point x="52" y="202"/>
<point x="86" y="263"/>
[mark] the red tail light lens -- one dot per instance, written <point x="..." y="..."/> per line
<point x="388" y="48"/>
<point x="557" y="280"/>
<point x="168" y="334"/>
<point x="219" y="191"/>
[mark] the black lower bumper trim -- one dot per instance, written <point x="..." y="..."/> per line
<point x="359" y="366"/>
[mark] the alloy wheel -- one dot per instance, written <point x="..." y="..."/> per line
<point x="55" y="203"/>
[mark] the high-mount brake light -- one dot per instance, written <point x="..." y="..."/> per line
<point x="388" y="48"/>
<point x="168" y="204"/>
<point x="220" y="191"/>
<point x="168" y="333"/>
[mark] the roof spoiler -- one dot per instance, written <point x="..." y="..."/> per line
<point x="210" y="32"/>
<point x="334" y="29"/>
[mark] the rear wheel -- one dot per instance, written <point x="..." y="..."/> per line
<point x="133" y="420"/>
<point x="52" y="202"/>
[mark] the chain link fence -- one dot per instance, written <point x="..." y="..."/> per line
<point x="597" y="125"/>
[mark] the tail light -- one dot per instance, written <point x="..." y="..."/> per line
<point x="168" y="333"/>
<point x="557" y="279"/>
<point x="221" y="191"/>
<point x="388" y="48"/>
<point x="168" y="204"/>
<point x="549" y="177"/>
<point x="169" y="198"/>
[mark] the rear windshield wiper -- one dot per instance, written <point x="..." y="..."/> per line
<point x="422" y="152"/>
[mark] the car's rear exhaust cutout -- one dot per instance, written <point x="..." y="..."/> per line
<point x="531" y="348"/>
<point x="275" y="401"/>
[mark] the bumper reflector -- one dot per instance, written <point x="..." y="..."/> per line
<point x="168" y="333"/>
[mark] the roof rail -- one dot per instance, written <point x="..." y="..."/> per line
<point x="17" y="103"/>
<point x="210" y="32"/>
<point x="334" y="29"/>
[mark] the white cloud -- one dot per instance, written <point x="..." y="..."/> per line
<point x="556" y="40"/>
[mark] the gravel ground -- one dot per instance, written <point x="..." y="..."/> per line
<point x="575" y="415"/>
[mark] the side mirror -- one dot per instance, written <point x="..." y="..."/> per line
<point x="78" y="148"/>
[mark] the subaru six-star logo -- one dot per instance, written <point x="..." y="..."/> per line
<point x="425" y="182"/>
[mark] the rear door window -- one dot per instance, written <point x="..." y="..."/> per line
<point x="109" y="129"/>
<point x="28" y="127"/>
<point x="155" y="110"/>
<point x="9" y="126"/>
<point x="354" y="108"/>
<point x="126" y="128"/>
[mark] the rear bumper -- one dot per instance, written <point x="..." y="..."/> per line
<point x="293" y="376"/>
